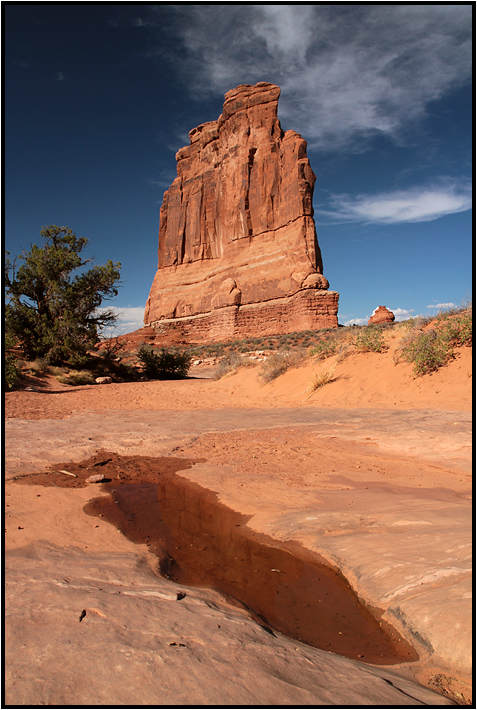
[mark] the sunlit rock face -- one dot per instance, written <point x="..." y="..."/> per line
<point x="381" y="315"/>
<point x="238" y="253"/>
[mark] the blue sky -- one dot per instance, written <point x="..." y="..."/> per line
<point x="98" y="99"/>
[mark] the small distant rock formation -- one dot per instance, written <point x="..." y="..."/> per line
<point x="238" y="253"/>
<point x="381" y="315"/>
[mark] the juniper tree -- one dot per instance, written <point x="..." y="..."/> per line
<point x="52" y="311"/>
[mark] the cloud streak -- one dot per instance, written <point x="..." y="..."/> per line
<point x="400" y="314"/>
<point x="357" y="321"/>
<point x="347" y="72"/>
<point x="441" y="306"/>
<point x="415" y="204"/>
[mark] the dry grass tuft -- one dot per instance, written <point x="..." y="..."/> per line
<point x="322" y="378"/>
<point x="229" y="365"/>
<point x="280" y="362"/>
<point x="75" y="377"/>
<point x="38" y="367"/>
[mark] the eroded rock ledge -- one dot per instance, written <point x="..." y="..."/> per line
<point x="238" y="253"/>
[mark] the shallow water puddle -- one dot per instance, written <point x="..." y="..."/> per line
<point x="200" y="542"/>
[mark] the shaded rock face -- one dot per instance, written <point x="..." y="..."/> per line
<point x="238" y="253"/>
<point x="381" y="315"/>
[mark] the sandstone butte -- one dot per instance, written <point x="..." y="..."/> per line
<point x="381" y="315"/>
<point x="238" y="252"/>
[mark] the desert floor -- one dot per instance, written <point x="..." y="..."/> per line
<point x="370" y="475"/>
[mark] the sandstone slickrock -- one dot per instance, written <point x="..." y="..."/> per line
<point x="100" y="629"/>
<point x="238" y="253"/>
<point x="381" y="315"/>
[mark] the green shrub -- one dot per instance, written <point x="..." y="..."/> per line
<point x="40" y="366"/>
<point x="428" y="351"/>
<point x="431" y="350"/>
<point x="163" y="363"/>
<point x="76" y="378"/>
<point x="369" y="339"/>
<point x="458" y="329"/>
<point x="11" y="370"/>
<point x="324" y="349"/>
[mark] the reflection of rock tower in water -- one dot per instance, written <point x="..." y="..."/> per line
<point x="238" y="254"/>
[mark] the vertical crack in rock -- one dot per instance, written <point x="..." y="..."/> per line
<point x="248" y="216"/>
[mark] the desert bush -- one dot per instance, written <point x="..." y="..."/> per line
<point x="75" y="377"/>
<point x="343" y="352"/>
<point x="230" y="364"/>
<point x="280" y="362"/>
<point x="296" y="357"/>
<point x="458" y="329"/>
<point x="369" y="339"/>
<point x="163" y="363"/>
<point x="10" y="371"/>
<point x="40" y="366"/>
<point x="428" y="351"/>
<point x="57" y="371"/>
<point x="275" y="366"/>
<point x="405" y="325"/>
<point x="112" y="348"/>
<point x="324" y="349"/>
<point x="123" y="367"/>
<point x="10" y="367"/>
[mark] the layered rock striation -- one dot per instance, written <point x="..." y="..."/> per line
<point x="238" y="253"/>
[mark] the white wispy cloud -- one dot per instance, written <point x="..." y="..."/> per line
<point x="130" y="318"/>
<point x="357" y="321"/>
<point x="415" y="204"/>
<point x="441" y="306"/>
<point x="346" y="71"/>
<point x="402" y="313"/>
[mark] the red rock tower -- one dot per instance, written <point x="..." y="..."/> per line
<point x="381" y="315"/>
<point x="238" y="253"/>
